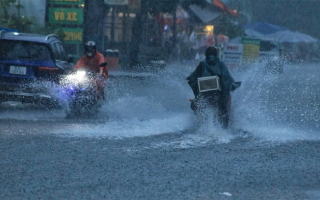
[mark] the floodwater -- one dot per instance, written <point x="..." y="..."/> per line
<point x="145" y="143"/>
<point x="276" y="107"/>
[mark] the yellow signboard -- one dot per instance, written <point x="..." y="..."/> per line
<point x="251" y="49"/>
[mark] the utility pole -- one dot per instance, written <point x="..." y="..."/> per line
<point x="113" y="13"/>
<point x="93" y="22"/>
<point x="18" y="6"/>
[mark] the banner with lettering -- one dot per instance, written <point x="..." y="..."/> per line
<point x="66" y="15"/>
<point x="232" y="55"/>
<point x="72" y="35"/>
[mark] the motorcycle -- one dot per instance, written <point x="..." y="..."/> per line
<point x="81" y="89"/>
<point x="210" y="99"/>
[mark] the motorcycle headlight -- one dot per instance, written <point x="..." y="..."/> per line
<point x="76" y="80"/>
<point x="80" y="74"/>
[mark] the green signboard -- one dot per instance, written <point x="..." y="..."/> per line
<point x="66" y="15"/>
<point x="116" y="2"/>
<point x="250" y="41"/>
<point x="72" y="35"/>
<point x="66" y="2"/>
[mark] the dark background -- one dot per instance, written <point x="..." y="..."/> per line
<point x="297" y="15"/>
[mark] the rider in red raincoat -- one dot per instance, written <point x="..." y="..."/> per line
<point x="91" y="61"/>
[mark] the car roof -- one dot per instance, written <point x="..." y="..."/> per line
<point x="46" y="39"/>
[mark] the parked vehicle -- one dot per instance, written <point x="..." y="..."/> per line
<point x="30" y="65"/>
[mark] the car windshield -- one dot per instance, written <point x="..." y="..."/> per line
<point x="24" y="50"/>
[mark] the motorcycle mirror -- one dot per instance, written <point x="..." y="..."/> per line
<point x="103" y="64"/>
<point x="70" y="58"/>
<point x="235" y="85"/>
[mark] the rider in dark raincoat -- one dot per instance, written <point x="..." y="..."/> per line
<point x="213" y="66"/>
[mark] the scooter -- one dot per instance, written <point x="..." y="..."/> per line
<point x="210" y="99"/>
<point x="83" y="96"/>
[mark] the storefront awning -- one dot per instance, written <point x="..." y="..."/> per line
<point x="205" y="15"/>
<point x="225" y="8"/>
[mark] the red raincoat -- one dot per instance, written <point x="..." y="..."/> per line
<point x="93" y="64"/>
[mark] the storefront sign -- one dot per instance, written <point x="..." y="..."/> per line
<point x="251" y="49"/>
<point x="66" y="2"/>
<point x="116" y="2"/>
<point x="66" y="15"/>
<point x="72" y="35"/>
<point x="232" y="55"/>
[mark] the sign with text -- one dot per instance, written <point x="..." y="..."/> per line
<point x="72" y="35"/>
<point x="66" y="15"/>
<point x="251" y="49"/>
<point x="232" y="55"/>
<point x="67" y="2"/>
<point x="116" y="2"/>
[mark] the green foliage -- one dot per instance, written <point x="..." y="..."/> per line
<point x="23" y="24"/>
<point x="227" y="27"/>
<point x="50" y="29"/>
<point x="14" y="21"/>
<point x="5" y="4"/>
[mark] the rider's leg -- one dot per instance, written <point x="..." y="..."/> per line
<point x="224" y="111"/>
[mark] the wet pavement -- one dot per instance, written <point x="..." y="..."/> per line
<point x="46" y="166"/>
<point x="271" y="151"/>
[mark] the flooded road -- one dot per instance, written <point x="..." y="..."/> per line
<point x="145" y="144"/>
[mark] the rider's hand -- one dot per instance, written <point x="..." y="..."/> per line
<point x="105" y="75"/>
<point x="101" y="71"/>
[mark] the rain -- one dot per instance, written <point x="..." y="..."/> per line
<point x="61" y="137"/>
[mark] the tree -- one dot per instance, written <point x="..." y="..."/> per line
<point x="14" y="21"/>
<point x="227" y="27"/>
<point x="154" y="7"/>
<point x="4" y="5"/>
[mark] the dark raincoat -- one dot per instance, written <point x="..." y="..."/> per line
<point x="212" y="67"/>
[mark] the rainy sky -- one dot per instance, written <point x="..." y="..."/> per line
<point x="297" y="15"/>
